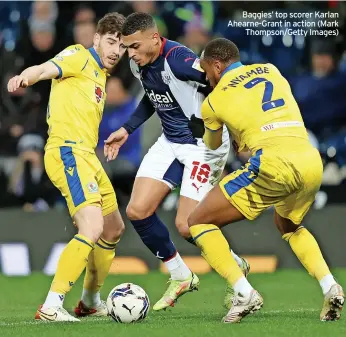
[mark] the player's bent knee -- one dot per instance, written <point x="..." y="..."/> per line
<point x="93" y="233"/>
<point x="89" y="221"/>
<point x="193" y="219"/>
<point x="117" y="233"/>
<point x="284" y="225"/>
<point x="136" y="211"/>
<point x="114" y="234"/>
<point x="183" y="228"/>
<point x="114" y="227"/>
<point x="120" y="230"/>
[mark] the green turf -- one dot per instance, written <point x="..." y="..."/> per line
<point x="292" y="301"/>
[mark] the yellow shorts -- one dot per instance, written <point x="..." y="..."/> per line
<point x="286" y="179"/>
<point x="80" y="178"/>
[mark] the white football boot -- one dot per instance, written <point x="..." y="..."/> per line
<point x="54" y="314"/>
<point x="229" y="292"/>
<point x="333" y="303"/>
<point x="242" y="306"/>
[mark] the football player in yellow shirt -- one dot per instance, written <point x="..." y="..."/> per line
<point x="74" y="113"/>
<point x="255" y="102"/>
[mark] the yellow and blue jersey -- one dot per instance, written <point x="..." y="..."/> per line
<point x="256" y="104"/>
<point x="77" y="99"/>
<point x="74" y="114"/>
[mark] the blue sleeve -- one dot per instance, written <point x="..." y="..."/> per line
<point x="185" y="65"/>
<point x="142" y="113"/>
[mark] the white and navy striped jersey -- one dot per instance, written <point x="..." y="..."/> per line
<point x="175" y="87"/>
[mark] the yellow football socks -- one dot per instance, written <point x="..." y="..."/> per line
<point x="71" y="264"/>
<point x="216" y="251"/>
<point x="308" y="252"/>
<point x="97" y="269"/>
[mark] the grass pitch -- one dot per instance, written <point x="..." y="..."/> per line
<point x="292" y="302"/>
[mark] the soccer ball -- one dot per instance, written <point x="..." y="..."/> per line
<point x="128" y="303"/>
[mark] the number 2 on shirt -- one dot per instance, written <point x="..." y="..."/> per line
<point x="267" y="102"/>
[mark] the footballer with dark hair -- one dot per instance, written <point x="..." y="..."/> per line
<point x="175" y="87"/>
<point x="256" y="104"/>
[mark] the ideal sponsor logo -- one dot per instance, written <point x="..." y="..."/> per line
<point x="163" y="101"/>
<point x="164" y="98"/>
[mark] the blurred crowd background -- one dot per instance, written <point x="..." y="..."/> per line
<point x="32" y="32"/>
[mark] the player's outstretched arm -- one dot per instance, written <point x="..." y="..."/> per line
<point x="32" y="75"/>
<point x="142" y="113"/>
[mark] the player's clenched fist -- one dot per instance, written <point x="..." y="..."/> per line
<point x="114" y="142"/>
<point x="16" y="82"/>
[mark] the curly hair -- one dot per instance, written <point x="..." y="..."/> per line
<point x="111" y="23"/>
<point x="221" y="49"/>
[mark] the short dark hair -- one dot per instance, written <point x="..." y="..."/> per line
<point x="221" y="49"/>
<point x="111" y="23"/>
<point x="137" y="21"/>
